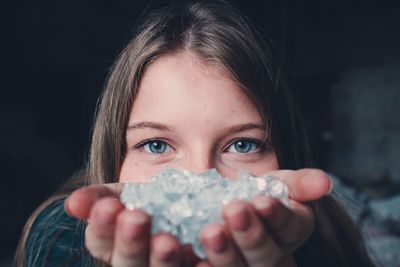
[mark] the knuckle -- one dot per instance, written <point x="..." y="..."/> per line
<point x="104" y="256"/>
<point x="131" y="253"/>
<point x="255" y="239"/>
<point x="268" y="255"/>
<point x="274" y="255"/>
<point x="97" y="252"/>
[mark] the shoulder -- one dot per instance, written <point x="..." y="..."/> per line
<point x="56" y="239"/>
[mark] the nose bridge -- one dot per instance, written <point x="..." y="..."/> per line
<point x="200" y="160"/>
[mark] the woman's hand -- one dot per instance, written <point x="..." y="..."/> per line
<point x="260" y="233"/>
<point x="119" y="236"/>
<point x="265" y="232"/>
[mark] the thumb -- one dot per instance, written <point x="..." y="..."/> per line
<point x="305" y="184"/>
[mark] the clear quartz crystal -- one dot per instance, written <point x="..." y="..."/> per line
<point x="182" y="203"/>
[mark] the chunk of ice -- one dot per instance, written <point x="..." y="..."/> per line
<point x="182" y="203"/>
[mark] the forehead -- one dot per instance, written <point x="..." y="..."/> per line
<point x="191" y="65"/>
<point x="183" y="82"/>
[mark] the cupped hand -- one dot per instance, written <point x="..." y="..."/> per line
<point x="262" y="232"/>
<point x="122" y="237"/>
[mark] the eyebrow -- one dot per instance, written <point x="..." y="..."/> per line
<point x="148" y="124"/>
<point x="162" y="127"/>
<point x="246" y="127"/>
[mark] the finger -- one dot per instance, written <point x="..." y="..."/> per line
<point x="189" y="258"/>
<point x="255" y="244"/>
<point x="289" y="227"/>
<point x="305" y="184"/>
<point x="99" y="234"/>
<point x="132" y="239"/>
<point x="81" y="201"/>
<point x="165" y="251"/>
<point x="219" y="247"/>
<point x="202" y="264"/>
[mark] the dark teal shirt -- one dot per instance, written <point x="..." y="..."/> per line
<point x="56" y="239"/>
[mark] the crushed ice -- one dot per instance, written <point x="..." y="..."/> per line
<point x="182" y="203"/>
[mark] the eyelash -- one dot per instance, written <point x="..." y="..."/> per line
<point x="153" y="140"/>
<point x="260" y="145"/>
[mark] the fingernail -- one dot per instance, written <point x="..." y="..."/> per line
<point x="115" y="200"/>
<point x="261" y="203"/>
<point x="330" y="188"/>
<point x="216" y="241"/>
<point x="66" y="207"/>
<point x="238" y="217"/>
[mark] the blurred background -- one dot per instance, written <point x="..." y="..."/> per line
<point x="342" y="58"/>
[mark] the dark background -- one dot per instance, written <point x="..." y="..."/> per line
<point x="342" y="57"/>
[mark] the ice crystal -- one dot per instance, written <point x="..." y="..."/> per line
<point x="182" y="203"/>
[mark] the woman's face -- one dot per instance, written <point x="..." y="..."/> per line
<point x="189" y="114"/>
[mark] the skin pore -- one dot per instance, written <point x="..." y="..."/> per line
<point x="189" y="114"/>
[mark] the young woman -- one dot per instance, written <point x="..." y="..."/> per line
<point x="196" y="88"/>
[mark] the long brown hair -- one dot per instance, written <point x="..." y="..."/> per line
<point x="218" y="33"/>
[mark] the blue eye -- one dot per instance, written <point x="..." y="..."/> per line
<point x="244" y="146"/>
<point x="156" y="147"/>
